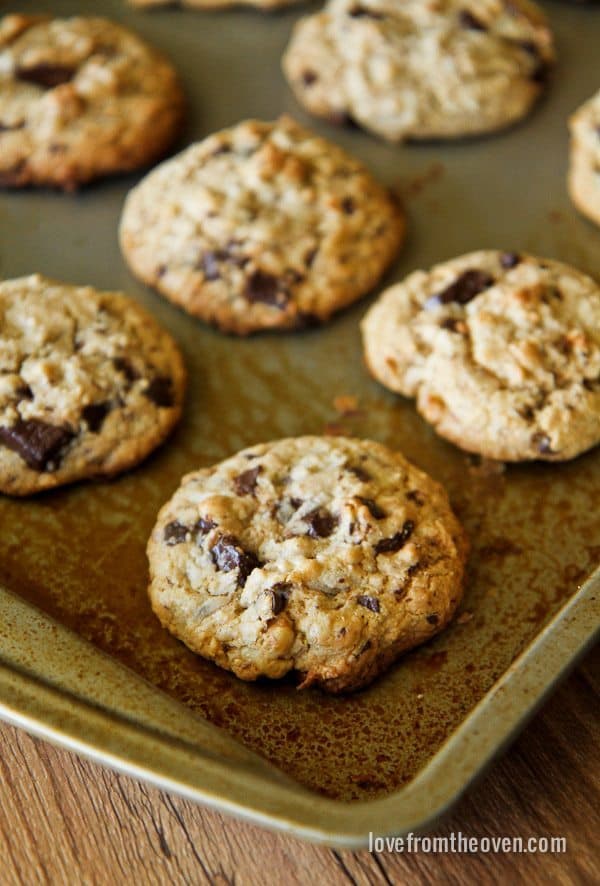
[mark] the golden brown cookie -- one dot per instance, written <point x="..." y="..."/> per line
<point x="325" y="556"/>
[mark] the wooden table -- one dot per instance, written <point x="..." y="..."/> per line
<point x="64" y="820"/>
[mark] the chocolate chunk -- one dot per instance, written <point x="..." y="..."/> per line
<point x="94" y="415"/>
<point x="348" y="205"/>
<point x="228" y="554"/>
<point x="542" y="443"/>
<point x="375" y="509"/>
<point x="510" y="260"/>
<point x="264" y="287"/>
<point x="245" y="483"/>
<point x="309" y="77"/>
<point x="280" y="593"/>
<point x="462" y="291"/>
<point x="361" y="12"/>
<point x="11" y="127"/>
<point x="296" y="502"/>
<point x="23" y="392"/>
<point x="160" y="391"/>
<point x="470" y="21"/>
<point x="393" y="544"/>
<point x="433" y="619"/>
<point x="309" y="256"/>
<point x="203" y="525"/>
<point x="175" y="533"/>
<point x="45" y="74"/>
<point x="359" y="473"/>
<point x="371" y="603"/>
<point x="416" y="496"/>
<point x="123" y="365"/>
<point x="38" y="443"/>
<point x="321" y="523"/>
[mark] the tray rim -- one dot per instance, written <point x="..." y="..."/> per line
<point x="139" y="748"/>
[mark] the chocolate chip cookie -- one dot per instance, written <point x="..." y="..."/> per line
<point x="416" y="70"/>
<point x="89" y="384"/>
<point x="81" y="98"/>
<point x="261" y="226"/>
<point x="323" y="556"/>
<point x="584" y="173"/>
<point x="501" y="351"/>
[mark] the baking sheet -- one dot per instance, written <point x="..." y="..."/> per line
<point x="78" y="554"/>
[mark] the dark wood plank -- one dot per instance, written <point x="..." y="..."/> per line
<point x="65" y="820"/>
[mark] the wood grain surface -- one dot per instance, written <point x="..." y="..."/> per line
<point x="64" y="820"/>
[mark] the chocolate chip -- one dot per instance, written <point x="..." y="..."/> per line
<point x="309" y="77"/>
<point x="46" y="74"/>
<point x="510" y="260"/>
<point x="375" y="509"/>
<point x="11" y="127"/>
<point x="123" y="365"/>
<point x="361" y="12"/>
<point x="321" y="523"/>
<point x="416" y="496"/>
<point x="348" y="205"/>
<point x="228" y="554"/>
<point x="245" y="483"/>
<point x="393" y="544"/>
<point x="359" y="473"/>
<point x="309" y="256"/>
<point x="175" y="533"/>
<point x="203" y="525"/>
<point x="264" y="287"/>
<point x="160" y="391"/>
<point x="94" y="415"/>
<point x="38" y="443"/>
<point x="280" y="593"/>
<point x="371" y="603"/>
<point x="296" y="502"/>
<point x="542" y="443"/>
<point x="470" y="21"/>
<point x="433" y="619"/>
<point x="462" y="291"/>
<point x="23" y="392"/>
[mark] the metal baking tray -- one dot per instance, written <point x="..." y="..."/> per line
<point x="83" y="661"/>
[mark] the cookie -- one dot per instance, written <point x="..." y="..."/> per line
<point x="322" y="556"/>
<point x="501" y="351"/>
<point x="265" y="5"/>
<point x="81" y="98"/>
<point x="416" y="70"/>
<point x="584" y="172"/>
<point x="89" y="384"/>
<point x="261" y="226"/>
